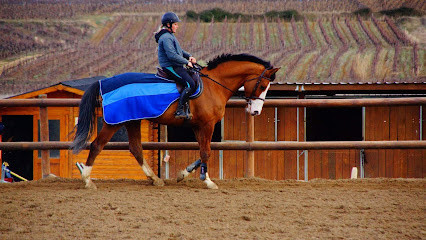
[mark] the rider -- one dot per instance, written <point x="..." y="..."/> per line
<point x="172" y="59"/>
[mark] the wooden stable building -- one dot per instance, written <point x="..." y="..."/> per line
<point x="319" y="124"/>
<point x="274" y="124"/>
<point x="22" y="124"/>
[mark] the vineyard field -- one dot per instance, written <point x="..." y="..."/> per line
<point x="331" y="49"/>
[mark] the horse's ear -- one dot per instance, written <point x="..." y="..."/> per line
<point x="274" y="70"/>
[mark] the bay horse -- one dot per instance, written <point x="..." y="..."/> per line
<point x="222" y="78"/>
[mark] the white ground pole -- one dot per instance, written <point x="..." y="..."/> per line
<point x="297" y="131"/>
<point x="166" y="165"/>
<point x="305" y="151"/>
<point x="222" y="132"/>
<point x="421" y="123"/>
<point x="361" y="153"/>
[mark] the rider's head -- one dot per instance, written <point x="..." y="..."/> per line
<point x="168" y="19"/>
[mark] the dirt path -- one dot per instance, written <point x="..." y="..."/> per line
<point x="240" y="209"/>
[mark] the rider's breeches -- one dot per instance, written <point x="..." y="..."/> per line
<point x="181" y="76"/>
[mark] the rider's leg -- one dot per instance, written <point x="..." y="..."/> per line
<point x="180" y="111"/>
<point x="181" y="76"/>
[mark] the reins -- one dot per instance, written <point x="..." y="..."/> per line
<point x="197" y="68"/>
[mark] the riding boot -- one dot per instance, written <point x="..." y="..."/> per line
<point x="180" y="111"/>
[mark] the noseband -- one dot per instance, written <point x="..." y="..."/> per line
<point x="252" y="97"/>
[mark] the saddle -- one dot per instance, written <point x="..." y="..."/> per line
<point x="194" y="74"/>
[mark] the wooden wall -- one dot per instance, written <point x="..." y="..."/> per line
<point x="381" y="123"/>
<point x="117" y="164"/>
<point x="108" y="165"/>
<point x="277" y="165"/>
<point x="332" y="164"/>
<point x="394" y="123"/>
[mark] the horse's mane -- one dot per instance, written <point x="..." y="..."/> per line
<point x="236" y="57"/>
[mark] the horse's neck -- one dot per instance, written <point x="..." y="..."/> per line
<point x="228" y="81"/>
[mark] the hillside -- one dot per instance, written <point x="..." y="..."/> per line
<point x="317" y="48"/>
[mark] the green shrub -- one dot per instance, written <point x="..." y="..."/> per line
<point x="217" y="13"/>
<point x="192" y="15"/>
<point x="283" y="14"/>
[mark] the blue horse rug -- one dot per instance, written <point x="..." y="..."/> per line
<point x="134" y="96"/>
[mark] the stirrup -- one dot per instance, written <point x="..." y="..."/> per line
<point x="184" y="113"/>
<point x="188" y="113"/>
<point x="181" y="114"/>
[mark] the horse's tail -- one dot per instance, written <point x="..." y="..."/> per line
<point x="86" y="118"/>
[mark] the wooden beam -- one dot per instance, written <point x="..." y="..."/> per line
<point x="58" y="87"/>
<point x="249" y="171"/>
<point x="251" y="146"/>
<point x="358" y="102"/>
<point x="350" y="87"/>
<point x="44" y="137"/>
<point x="35" y="93"/>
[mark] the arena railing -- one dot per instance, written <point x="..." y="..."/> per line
<point x="250" y="145"/>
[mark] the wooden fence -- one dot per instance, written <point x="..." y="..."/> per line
<point x="249" y="146"/>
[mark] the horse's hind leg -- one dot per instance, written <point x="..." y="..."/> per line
<point x="96" y="147"/>
<point x="135" y="146"/>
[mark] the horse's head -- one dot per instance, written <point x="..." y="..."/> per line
<point x="253" y="73"/>
<point x="256" y="87"/>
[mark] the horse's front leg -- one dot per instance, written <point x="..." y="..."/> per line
<point x="188" y="170"/>
<point x="204" y="135"/>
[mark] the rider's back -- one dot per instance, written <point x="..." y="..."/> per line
<point x="170" y="52"/>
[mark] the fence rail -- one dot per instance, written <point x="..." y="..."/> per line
<point x="250" y="145"/>
<point x="63" y="102"/>
<point x="246" y="146"/>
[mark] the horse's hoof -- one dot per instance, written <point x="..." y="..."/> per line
<point x="158" y="182"/>
<point x="90" y="185"/>
<point x="182" y="175"/>
<point x="211" y="185"/>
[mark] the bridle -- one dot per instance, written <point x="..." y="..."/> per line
<point x="252" y="97"/>
<point x="259" y="79"/>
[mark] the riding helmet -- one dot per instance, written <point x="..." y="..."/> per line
<point x="169" y="17"/>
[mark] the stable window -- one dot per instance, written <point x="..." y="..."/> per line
<point x="119" y="136"/>
<point x="334" y="124"/>
<point x="185" y="134"/>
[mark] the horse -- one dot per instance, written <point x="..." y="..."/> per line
<point x="222" y="78"/>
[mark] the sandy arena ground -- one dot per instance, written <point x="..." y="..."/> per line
<point x="240" y="209"/>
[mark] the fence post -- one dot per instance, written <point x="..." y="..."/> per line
<point x="250" y="153"/>
<point x="44" y="137"/>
